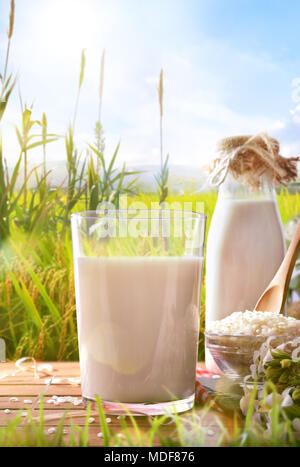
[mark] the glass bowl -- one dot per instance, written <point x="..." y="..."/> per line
<point x="232" y="355"/>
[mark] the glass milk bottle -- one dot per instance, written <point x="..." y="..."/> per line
<point x="245" y="244"/>
<point x="245" y="247"/>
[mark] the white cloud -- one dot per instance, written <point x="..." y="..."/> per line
<point x="209" y="87"/>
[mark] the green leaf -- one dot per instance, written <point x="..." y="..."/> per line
<point x="293" y="411"/>
<point x="99" y="155"/>
<point x="24" y="295"/>
<point x="50" y="304"/>
<point x="113" y="159"/>
<point x="40" y="143"/>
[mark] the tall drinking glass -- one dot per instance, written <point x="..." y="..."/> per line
<point x="138" y="286"/>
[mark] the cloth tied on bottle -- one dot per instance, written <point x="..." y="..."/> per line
<point x="248" y="158"/>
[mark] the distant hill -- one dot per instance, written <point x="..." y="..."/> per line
<point x="180" y="177"/>
<point x="294" y="187"/>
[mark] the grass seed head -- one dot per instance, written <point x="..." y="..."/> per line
<point x="10" y="29"/>
<point x="161" y="91"/>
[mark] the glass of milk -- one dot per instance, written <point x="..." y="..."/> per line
<point x="138" y="287"/>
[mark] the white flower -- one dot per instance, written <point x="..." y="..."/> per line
<point x="256" y="417"/>
<point x="268" y="357"/>
<point x="296" y="424"/>
<point x="256" y="355"/>
<point x="287" y="401"/>
<point x="253" y="370"/>
<point x="270" y="397"/>
<point x="244" y="403"/>
<point x="296" y="352"/>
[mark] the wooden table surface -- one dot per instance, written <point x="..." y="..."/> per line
<point x="21" y="389"/>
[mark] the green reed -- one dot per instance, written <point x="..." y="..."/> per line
<point x="162" y="177"/>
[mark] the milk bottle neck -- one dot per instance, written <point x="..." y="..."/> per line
<point x="233" y="189"/>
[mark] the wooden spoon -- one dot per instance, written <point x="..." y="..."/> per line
<point x="274" y="297"/>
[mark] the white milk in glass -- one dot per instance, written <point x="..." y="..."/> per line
<point x="138" y="327"/>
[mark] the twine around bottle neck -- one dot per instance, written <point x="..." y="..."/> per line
<point x="220" y="172"/>
<point x="250" y="159"/>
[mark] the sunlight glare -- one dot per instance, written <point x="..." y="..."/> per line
<point x="67" y="26"/>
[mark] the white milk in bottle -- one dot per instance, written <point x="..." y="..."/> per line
<point x="245" y="247"/>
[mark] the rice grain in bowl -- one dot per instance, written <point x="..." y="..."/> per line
<point x="232" y="341"/>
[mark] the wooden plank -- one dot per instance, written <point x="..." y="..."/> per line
<point x="6" y="402"/>
<point x="21" y="389"/>
<point x="57" y="369"/>
<point x="25" y="386"/>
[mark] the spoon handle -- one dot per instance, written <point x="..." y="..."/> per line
<point x="285" y="271"/>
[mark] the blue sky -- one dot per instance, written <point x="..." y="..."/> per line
<point x="229" y="68"/>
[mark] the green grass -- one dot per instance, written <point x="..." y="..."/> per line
<point x="188" y="430"/>
<point x="37" y="300"/>
<point x="38" y="318"/>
